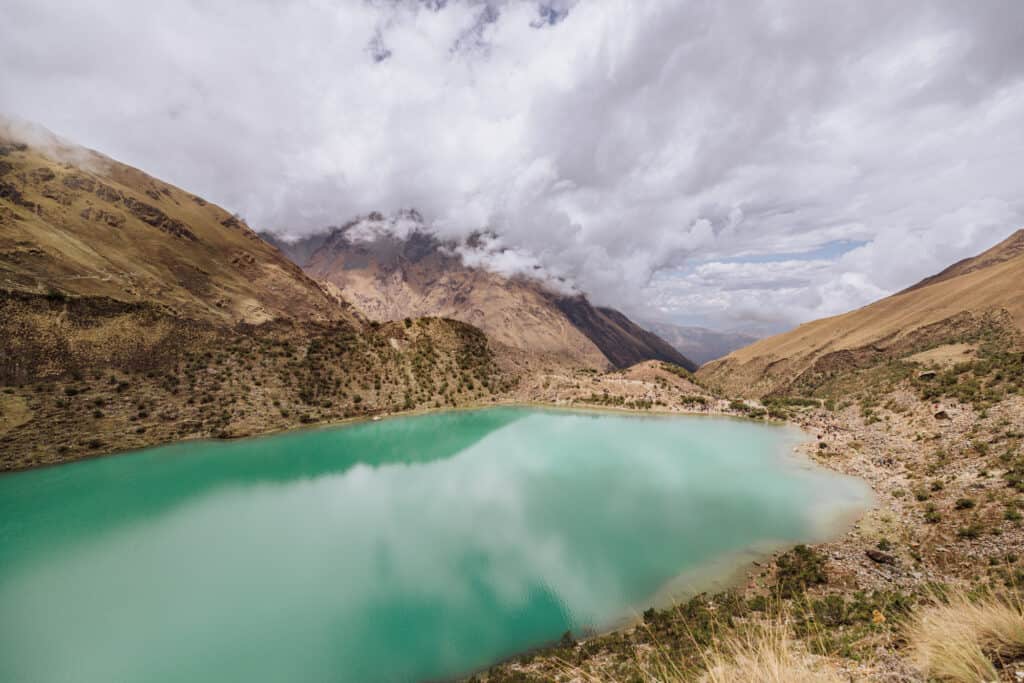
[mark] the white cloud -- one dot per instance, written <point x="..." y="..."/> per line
<point x="604" y="141"/>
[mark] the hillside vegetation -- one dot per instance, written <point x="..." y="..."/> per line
<point x="133" y="313"/>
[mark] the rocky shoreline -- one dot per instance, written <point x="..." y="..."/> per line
<point x="945" y="514"/>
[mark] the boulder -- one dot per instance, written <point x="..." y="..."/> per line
<point x="879" y="557"/>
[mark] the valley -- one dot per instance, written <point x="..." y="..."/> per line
<point x="134" y="314"/>
<point x="512" y="341"/>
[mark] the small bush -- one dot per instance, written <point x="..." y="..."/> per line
<point x="799" y="569"/>
<point x="971" y="531"/>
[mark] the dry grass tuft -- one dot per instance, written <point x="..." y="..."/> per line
<point x="764" y="652"/>
<point x="963" y="640"/>
<point x="767" y="654"/>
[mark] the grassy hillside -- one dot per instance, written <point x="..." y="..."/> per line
<point x="75" y="222"/>
<point x="134" y="313"/>
<point x="976" y="300"/>
<point x="82" y="376"/>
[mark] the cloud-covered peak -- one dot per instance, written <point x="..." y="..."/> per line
<point x="652" y="153"/>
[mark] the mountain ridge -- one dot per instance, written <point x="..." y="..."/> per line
<point x="133" y="313"/>
<point x="388" y="277"/>
<point x="1009" y="248"/>
<point x="970" y="297"/>
<point x="101" y="228"/>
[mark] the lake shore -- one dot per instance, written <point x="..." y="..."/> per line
<point x="918" y="466"/>
<point x="918" y="531"/>
<point x="518" y="488"/>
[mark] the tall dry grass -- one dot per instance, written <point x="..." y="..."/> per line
<point x="964" y="640"/>
<point x="766" y="654"/>
<point x="763" y="653"/>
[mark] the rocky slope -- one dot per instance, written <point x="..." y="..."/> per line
<point x="134" y="313"/>
<point x="700" y="344"/>
<point x="621" y="340"/>
<point x="975" y="300"/>
<point x="391" y="278"/>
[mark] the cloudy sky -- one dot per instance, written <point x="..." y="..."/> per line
<point x="743" y="164"/>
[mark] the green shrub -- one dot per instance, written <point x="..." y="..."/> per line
<point x="971" y="531"/>
<point x="799" y="569"/>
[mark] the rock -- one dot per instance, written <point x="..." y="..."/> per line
<point x="880" y="557"/>
<point x="927" y="374"/>
<point x="942" y="415"/>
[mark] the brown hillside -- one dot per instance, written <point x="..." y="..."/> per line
<point x="73" y="221"/>
<point x="977" y="293"/>
<point x="1010" y="248"/>
<point x="392" y="279"/>
<point x="133" y="313"/>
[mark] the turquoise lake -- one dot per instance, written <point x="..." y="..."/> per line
<point x="407" y="549"/>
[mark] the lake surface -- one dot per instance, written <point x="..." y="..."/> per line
<point x="400" y="550"/>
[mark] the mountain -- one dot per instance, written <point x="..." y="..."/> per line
<point x="388" y="277"/>
<point x="134" y="313"/>
<point x="620" y="339"/>
<point x="978" y="298"/>
<point x="298" y="251"/>
<point x="73" y="221"/>
<point x="699" y="344"/>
